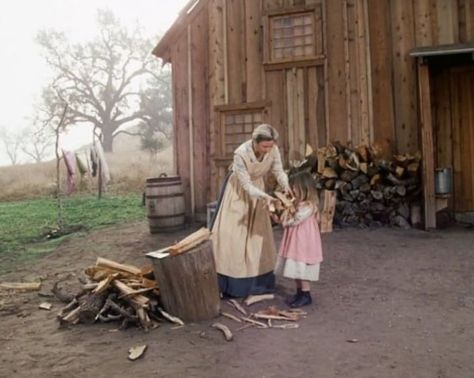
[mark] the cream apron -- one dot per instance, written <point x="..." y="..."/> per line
<point x="242" y="234"/>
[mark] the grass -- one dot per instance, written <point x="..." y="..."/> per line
<point x="129" y="170"/>
<point x="24" y="224"/>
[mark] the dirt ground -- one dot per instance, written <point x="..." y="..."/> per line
<point x="406" y="296"/>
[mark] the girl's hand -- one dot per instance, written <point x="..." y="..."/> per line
<point x="289" y="192"/>
<point x="275" y="218"/>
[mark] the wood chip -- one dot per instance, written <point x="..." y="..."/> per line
<point x="171" y="318"/>
<point x="21" y="286"/>
<point x="45" y="306"/>
<point x="134" y="353"/>
<point x="225" y="330"/>
<point x="255" y="322"/>
<point x="353" y="340"/>
<point x="258" y="298"/>
<point x="274" y="317"/>
<point x="230" y="316"/>
<point x="287" y="326"/>
<point x="237" y="306"/>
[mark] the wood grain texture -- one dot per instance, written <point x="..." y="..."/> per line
<point x="188" y="284"/>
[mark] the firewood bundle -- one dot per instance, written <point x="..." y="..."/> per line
<point x="284" y="205"/>
<point x="370" y="190"/>
<point x="113" y="292"/>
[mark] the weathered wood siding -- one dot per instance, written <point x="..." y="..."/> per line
<point x="360" y="86"/>
<point x="191" y="47"/>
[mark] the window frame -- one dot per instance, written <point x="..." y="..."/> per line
<point x="309" y="60"/>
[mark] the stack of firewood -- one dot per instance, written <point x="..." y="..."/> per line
<point x="121" y="292"/>
<point x="113" y="292"/>
<point x="370" y="190"/>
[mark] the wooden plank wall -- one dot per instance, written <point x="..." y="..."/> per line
<point x="200" y="106"/>
<point x="184" y="76"/>
<point x="216" y="81"/>
<point x="364" y="92"/>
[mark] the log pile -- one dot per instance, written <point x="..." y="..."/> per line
<point x="113" y="292"/>
<point x="370" y="190"/>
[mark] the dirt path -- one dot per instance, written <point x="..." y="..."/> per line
<point x="406" y="296"/>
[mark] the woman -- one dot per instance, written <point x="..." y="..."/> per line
<point x="244" y="248"/>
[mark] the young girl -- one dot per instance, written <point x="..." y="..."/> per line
<point x="300" y="251"/>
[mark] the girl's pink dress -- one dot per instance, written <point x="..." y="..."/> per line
<point x="300" y="250"/>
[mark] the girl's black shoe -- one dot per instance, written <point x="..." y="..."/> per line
<point x="294" y="297"/>
<point x="304" y="300"/>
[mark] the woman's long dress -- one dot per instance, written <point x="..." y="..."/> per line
<point x="244" y="248"/>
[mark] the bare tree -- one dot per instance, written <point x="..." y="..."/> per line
<point x="12" y="142"/>
<point x="100" y="79"/>
<point x="38" y="141"/>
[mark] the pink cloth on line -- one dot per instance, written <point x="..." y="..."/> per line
<point x="302" y="242"/>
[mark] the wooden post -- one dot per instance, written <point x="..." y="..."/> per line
<point x="188" y="283"/>
<point x="427" y="145"/>
<point x="190" y="123"/>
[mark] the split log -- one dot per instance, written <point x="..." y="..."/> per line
<point x="89" y="306"/>
<point x="21" y="286"/>
<point x="128" y="294"/>
<point x="328" y="208"/>
<point x="190" y="241"/>
<point x="188" y="283"/>
<point x="112" y="265"/>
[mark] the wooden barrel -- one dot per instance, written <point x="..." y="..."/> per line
<point x="188" y="283"/>
<point x="164" y="199"/>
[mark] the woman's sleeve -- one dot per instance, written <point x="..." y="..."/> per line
<point x="244" y="178"/>
<point x="303" y="212"/>
<point x="277" y="169"/>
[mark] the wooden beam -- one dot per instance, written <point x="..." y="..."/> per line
<point x="426" y="127"/>
<point x="190" y="123"/>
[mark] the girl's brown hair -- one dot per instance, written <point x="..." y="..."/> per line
<point x="306" y="187"/>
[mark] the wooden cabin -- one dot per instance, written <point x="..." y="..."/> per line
<point x="398" y="73"/>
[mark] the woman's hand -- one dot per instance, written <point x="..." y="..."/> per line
<point x="270" y="203"/>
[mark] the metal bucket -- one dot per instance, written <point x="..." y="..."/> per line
<point x="211" y="211"/>
<point x="443" y="180"/>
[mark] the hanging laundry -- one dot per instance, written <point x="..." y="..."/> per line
<point x="94" y="161"/>
<point x="70" y="161"/>
<point x="103" y="163"/>
<point x="81" y="166"/>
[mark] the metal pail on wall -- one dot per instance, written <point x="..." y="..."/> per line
<point x="443" y="180"/>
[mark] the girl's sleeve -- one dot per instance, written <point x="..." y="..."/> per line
<point x="303" y="212"/>
<point x="277" y="169"/>
<point x="244" y="178"/>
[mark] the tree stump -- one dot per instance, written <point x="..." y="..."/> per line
<point x="188" y="283"/>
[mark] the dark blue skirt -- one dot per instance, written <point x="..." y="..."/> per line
<point x="243" y="287"/>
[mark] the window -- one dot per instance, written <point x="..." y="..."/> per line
<point x="235" y="124"/>
<point x="238" y="127"/>
<point x="292" y="36"/>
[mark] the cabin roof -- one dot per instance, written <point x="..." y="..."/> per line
<point x="456" y="48"/>
<point x="185" y="16"/>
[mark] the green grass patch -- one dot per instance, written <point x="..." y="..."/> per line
<point x="24" y="224"/>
